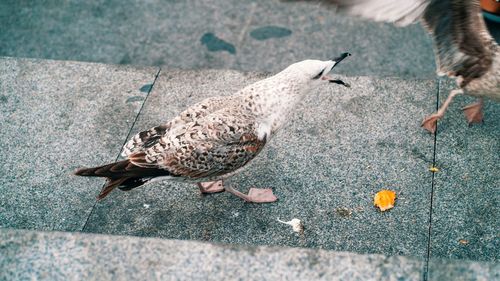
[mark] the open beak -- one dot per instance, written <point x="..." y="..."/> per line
<point x="336" y="61"/>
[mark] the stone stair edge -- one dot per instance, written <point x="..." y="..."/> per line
<point x="167" y="69"/>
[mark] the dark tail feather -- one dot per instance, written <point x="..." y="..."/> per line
<point x="131" y="183"/>
<point x="123" y="174"/>
<point x="113" y="170"/>
<point x="110" y="185"/>
<point x="124" y="184"/>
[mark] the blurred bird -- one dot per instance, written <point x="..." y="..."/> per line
<point x="463" y="46"/>
<point x="215" y="138"/>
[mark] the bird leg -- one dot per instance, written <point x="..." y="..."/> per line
<point x="430" y="122"/>
<point x="474" y="112"/>
<point x="211" y="186"/>
<point x="255" y="195"/>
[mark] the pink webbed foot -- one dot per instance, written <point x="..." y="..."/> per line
<point x="261" y="195"/>
<point x="474" y="112"/>
<point x="430" y="123"/>
<point x="211" y="187"/>
<point x="255" y="195"/>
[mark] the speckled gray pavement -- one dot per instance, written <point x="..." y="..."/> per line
<point x="261" y="35"/>
<point x="72" y="256"/>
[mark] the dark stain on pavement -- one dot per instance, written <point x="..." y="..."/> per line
<point x="3" y="99"/>
<point x="215" y="44"/>
<point x="146" y="88"/>
<point x="268" y="32"/>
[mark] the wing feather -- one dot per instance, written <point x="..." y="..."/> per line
<point x="210" y="147"/>
<point x="463" y="45"/>
<point x="399" y="12"/>
<point x="151" y="137"/>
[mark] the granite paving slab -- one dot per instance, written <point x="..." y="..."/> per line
<point x="54" y="117"/>
<point x="466" y="209"/>
<point x="340" y="148"/>
<point x="262" y="35"/>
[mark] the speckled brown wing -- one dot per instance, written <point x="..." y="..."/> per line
<point x="214" y="161"/>
<point x="205" y="150"/>
<point x="149" y="138"/>
<point x="145" y="139"/>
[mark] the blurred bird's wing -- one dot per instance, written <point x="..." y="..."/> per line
<point x="399" y="12"/>
<point x="462" y="43"/>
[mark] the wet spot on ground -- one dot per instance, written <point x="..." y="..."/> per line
<point x="126" y="59"/>
<point x="268" y="32"/>
<point x="215" y="44"/>
<point x="146" y="88"/>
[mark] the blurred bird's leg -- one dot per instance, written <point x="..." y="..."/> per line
<point x="211" y="186"/>
<point x="255" y="195"/>
<point x="430" y="122"/>
<point x="474" y="112"/>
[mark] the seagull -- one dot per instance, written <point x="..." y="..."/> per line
<point x="215" y="138"/>
<point x="464" y="48"/>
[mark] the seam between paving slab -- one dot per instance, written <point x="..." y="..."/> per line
<point x="427" y="258"/>
<point x="126" y="139"/>
<point x="247" y="24"/>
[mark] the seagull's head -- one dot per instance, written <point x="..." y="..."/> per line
<point x="312" y="73"/>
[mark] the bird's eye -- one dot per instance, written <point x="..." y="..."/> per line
<point x="319" y="74"/>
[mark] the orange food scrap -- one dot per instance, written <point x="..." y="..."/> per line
<point x="384" y="199"/>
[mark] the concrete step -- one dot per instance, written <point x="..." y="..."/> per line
<point x="340" y="148"/>
<point x="35" y="255"/>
